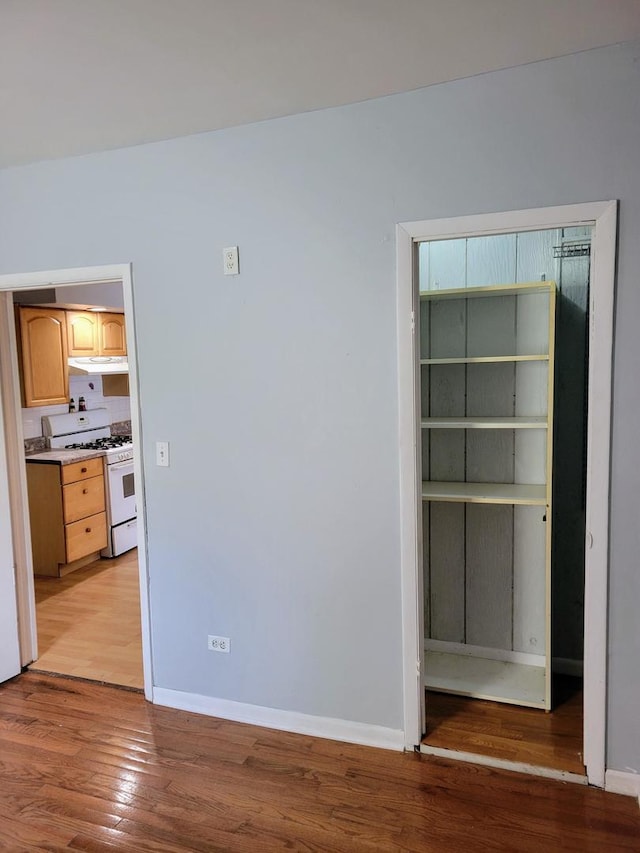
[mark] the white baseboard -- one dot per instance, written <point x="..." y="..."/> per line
<point x="622" y="782"/>
<point x="568" y="666"/>
<point x="289" y="721"/>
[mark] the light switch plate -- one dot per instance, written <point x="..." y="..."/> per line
<point x="162" y="454"/>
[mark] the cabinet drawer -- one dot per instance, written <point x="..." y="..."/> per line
<point x="84" y="498"/>
<point x="86" y="536"/>
<point x="81" y="470"/>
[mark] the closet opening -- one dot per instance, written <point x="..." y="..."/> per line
<point x="502" y="336"/>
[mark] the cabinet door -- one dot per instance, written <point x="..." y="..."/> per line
<point x="113" y="340"/>
<point x="83" y="333"/>
<point x="43" y="356"/>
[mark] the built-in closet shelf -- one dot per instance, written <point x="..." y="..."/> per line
<point x="480" y="678"/>
<point x="485" y="353"/>
<point x="485" y="423"/>
<point x="491" y="290"/>
<point x="527" y="494"/>
<point x="484" y="359"/>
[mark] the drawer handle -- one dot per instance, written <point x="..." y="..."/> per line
<point x="85" y="491"/>
<point x="87" y="530"/>
<point x="83" y="470"/>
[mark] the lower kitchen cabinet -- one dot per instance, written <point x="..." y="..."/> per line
<point x="67" y="514"/>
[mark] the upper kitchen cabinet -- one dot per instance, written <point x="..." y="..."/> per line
<point x="83" y="332"/>
<point x="92" y="333"/>
<point x="113" y="339"/>
<point x="42" y="334"/>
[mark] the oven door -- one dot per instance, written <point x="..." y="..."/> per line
<point x="122" y="497"/>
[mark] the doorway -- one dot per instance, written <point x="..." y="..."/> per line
<point x="58" y="615"/>
<point x="410" y="235"/>
<point x="502" y="329"/>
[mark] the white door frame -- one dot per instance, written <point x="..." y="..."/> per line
<point x="603" y="217"/>
<point x="13" y="445"/>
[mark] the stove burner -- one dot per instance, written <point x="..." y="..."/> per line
<point x="102" y="443"/>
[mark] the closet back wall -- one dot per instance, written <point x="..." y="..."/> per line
<point x="487" y="597"/>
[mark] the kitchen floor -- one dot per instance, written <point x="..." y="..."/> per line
<point x="89" y="622"/>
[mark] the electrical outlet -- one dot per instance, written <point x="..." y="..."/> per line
<point x="230" y="260"/>
<point x="218" y="644"/>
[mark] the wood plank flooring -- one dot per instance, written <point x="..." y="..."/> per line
<point x="89" y="622"/>
<point x="93" y="768"/>
<point x="526" y="735"/>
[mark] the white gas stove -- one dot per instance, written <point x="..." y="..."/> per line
<point x="87" y="431"/>
<point x="91" y="431"/>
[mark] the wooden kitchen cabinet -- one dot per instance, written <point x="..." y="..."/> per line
<point x="113" y="339"/>
<point x="42" y="354"/>
<point x="96" y="334"/>
<point x="67" y="515"/>
<point x="83" y="333"/>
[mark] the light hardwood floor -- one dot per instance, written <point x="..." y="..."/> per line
<point x="93" y="768"/>
<point x="89" y="622"/>
<point x="525" y="735"/>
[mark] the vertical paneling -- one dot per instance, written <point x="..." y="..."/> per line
<point x="447" y="328"/>
<point x="531" y="387"/>
<point x="530" y="458"/>
<point x="447" y="572"/>
<point x="535" y="261"/>
<point x="490" y="454"/>
<point x="423" y="266"/>
<point x="424" y="328"/>
<point x="447" y="264"/>
<point x="532" y="324"/>
<point x="491" y="260"/>
<point x="447" y="532"/>
<point x="447" y="390"/>
<point x="528" y="580"/>
<point x="489" y="554"/>
<point x="491" y="326"/>
<point x="490" y="389"/>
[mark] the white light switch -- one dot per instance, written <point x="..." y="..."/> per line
<point x="230" y="259"/>
<point x="162" y="454"/>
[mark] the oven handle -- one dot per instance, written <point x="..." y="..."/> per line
<point x="118" y="466"/>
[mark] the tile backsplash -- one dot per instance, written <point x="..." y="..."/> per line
<point x="89" y="387"/>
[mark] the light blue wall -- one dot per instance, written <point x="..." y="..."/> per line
<point x="277" y="523"/>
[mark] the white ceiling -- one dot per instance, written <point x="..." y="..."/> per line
<point x="86" y="75"/>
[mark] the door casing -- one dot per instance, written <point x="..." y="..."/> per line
<point x="12" y="446"/>
<point x="603" y="217"/>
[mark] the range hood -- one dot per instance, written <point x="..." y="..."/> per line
<point x="91" y="365"/>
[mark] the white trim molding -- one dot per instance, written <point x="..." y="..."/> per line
<point x="288" y="721"/>
<point x="504" y="764"/>
<point x="623" y="782"/>
<point x="63" y="277"/>
<point x="602" y="215"/>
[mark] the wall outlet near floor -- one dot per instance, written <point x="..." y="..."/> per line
<point x="218" y="644"/>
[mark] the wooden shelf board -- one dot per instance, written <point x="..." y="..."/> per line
<point x="484" y="359"/>
<point x="492" y="290"/>
<point x="485" y="423"/>
<point x="490" y="493"/>
<point x="498" y="681"/>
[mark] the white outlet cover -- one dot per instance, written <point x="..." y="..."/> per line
<point x="230" y="260"/>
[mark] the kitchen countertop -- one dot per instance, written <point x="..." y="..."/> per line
<point x="63" y="457"/>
